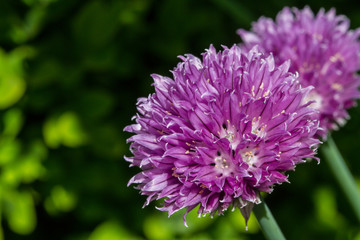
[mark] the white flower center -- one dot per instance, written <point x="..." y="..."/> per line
<point x="256" y="127"/>
<point x="249" y="157"/>
<point x="228" y="131"/>
<point x="221" y="163"/>
<point x="223" y="166"/>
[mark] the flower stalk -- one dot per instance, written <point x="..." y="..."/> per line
<point x="342" y="174"/>
<point x="268" y="224"/>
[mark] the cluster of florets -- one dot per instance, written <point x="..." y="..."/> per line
<point x="223" y="129"/>
<point x="322" y="50"/>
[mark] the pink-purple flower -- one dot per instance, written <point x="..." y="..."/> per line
<point x="223" y="129"/>
<point x="324" y="52"/>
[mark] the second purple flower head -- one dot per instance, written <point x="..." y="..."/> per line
<point x="324" y="52"/>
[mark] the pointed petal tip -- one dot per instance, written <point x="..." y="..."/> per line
<point x="185" y="224"/>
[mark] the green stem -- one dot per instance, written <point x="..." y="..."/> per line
<point x="342" y="174"/>
<point x="267" y="222"/>
<point x="1" y="200"/>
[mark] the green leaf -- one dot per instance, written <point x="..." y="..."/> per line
<point x="20" y="212"/>
<point x="13" y="121"/>
<point x="19" y="167"/>
<point x="26" y="168"/>
<point x="71" y="131"/>
<point x="155" y="229"/>
<point x="60" y="200"/>
<point x="111" y="230"/>
<point x="31" y="25"/>
<point x="50" y="131"/>
<point x="65" y="129"/>
<point x="12" y="84"/>
<point x="226" y="231"/>
<point x="325" y="207"/>
<point x="159" y="226"/>
<point x="9" y="150"/>
<point x="11" y="90"/>
<point x="30" y="169"/>
<point x="357" y="236"/>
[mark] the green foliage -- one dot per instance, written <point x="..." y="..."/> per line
<point x="326" y="208"/>
<point x="111" y="230"/>
<point x="20" y="211"/>
<point x="17" y="165"/>
<point x="65" y="129"/>
<point x="70" y="74"/>
<point x="60" y="200"/>
<point x="12" y="84"/>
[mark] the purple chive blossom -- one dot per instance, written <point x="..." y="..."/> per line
<point x="322" y="50"/>
<point x="222" y="130"/>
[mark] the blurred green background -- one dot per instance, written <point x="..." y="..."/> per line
<point x="70" y="74"/>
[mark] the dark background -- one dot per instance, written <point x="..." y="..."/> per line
<point x="70" y="74"/>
